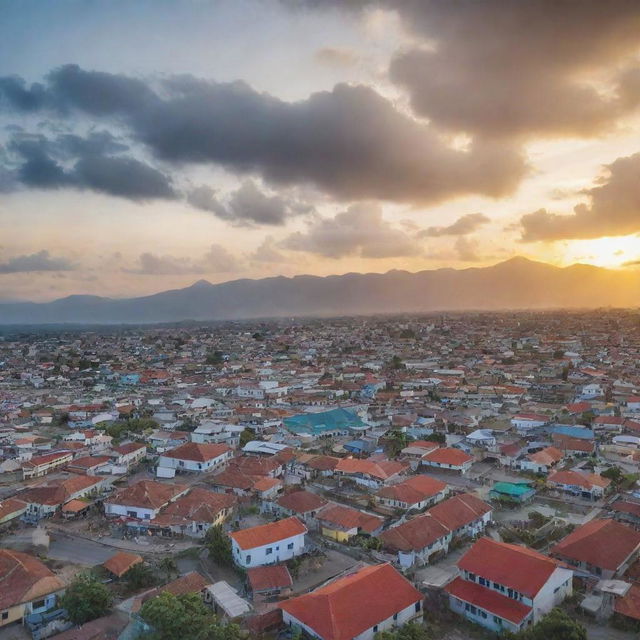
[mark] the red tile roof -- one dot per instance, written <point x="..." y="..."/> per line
<point x="268" y="533"/>
<point x="276" y="576"/>
<point x="350" y="605"/>
<point x="199" y="505"/>
<point x="302" y="501"/>
<point x="413" y="490"/>
<point x="601" y="543"/>
<point x="415" y="534"/>
<point x="24" y="578"/>
<point x="338" y="515"/>
<point x="511" y="565"/>
<point x="489" y="600"/>
<point x="121" y="562"/>
<point x="447" y="455"/>
<point x="147" y="494"/>
<point x="629" y="605"/>
<point x="197" y="452"/>
<point x="579" y="479"/>
<point x="380" y="470"/>
<point x="460" y="510"/>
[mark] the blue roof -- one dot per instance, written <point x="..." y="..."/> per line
<point x="324" y="421"/>
<point x="573" y="432"/>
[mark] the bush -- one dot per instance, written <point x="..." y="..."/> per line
<point x="86" y="599"/>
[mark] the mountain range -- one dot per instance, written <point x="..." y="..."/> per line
<point x="517" y="283"/>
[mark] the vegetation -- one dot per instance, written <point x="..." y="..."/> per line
<point x="246" y="435"/>
<point x="396" y="363"/>
<point x="86" y="599"/>
<point x="184" y="616"/>
<point x="397" y="441"/>
<point x="169" y="567"/>
<point x="557" y="624"/>
<point x="134" y="425"/>
<point x="409" y="631"/>
<point x="139" y="577"/>
<point x="215" y="358"/>
<point x="219" y="545"/>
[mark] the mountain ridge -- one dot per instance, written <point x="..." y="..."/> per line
<point x="517" y="283"/>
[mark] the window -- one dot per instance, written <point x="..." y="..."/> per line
<point x="375" y="629"/>
<point x="472" y="576"/>
<point x="290" y="545"/>
<point x="248" y="560"/>
<point x="38" y="604"/>
<point x="5" y="615"/>
<point x="417" y="606"/>
<point x="395" y="616"/>
<point x="269" y="551"/>
<point x="482" y="581"/>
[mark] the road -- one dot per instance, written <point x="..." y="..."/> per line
<point x="78" y="550"/>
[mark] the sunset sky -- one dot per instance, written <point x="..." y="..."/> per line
<point x="145" y="144"/>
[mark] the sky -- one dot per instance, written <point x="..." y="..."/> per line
<point x="147" y="144"/>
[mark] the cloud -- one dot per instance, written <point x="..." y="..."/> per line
<point x="268" y="252"/>
<point x="359" y="231"/>
<point x="216" y="260"/>
<point x="336" y="56"/>
<point x="466" y="249"/>
<point x="521" y="68"/>
<point x="349" y="142"/>
<point x="71" y="161"/>
<point x="462" y="226"/>
<point x="247" y="205"/>
<point x="613" y="208"/>
<point x="40" y="261"/>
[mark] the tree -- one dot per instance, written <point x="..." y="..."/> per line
<point x="215" y="358"/>
<point x="86" y="599"/>
<point x="219" y="545"/>
<point x="409" y="631"/>
<point x="396" y="363"/>
<point x="185" y="616"/>
<point x="139" y="576"/>
<point x="246" y="435"/>
<point x="556" y="625"/>
<point x="168" y="566"/>
<point x="397" y="440"/>
<point x="614" y="474"/>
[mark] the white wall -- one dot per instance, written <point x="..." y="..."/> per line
<point x="259" y="556"/>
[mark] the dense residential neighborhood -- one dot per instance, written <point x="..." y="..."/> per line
<point x="336" y="479"/>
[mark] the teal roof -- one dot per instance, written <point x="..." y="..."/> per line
<point x="511" y="489"/>
<point x="323" y="422"/>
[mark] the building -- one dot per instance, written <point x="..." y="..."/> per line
<point x="591" y="486"/>
<point x="303" y="504"/>
<point x="269" y="581"/>
<point x="143" y="500"/>
<point x="416" y="492"/>
<point x="373" y="599"/>
<point x="26" y="586"/>
<point x="506" y="587"/>
<point x="541" y="461"/>
<point x="340" y="523"/>
<point x="196" y="457"/>
<point x="41" y="465"/>
<point x="603" y="548"/>
<point x="465" y="515"/>
<point x="449" y="459"/>
<point x="268" y="543"/>
<point x="370" y="473"/>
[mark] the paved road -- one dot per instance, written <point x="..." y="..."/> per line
<point x="78" y="550"/>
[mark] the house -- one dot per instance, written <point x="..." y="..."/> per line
<point x="416" y="540"/>
<point x="359" y="605"/>
<point x="525" y="422"/>
<point x="370" y="473"/>
<point x="269" y="581"/>
<point x="603" y="548"/>
<point x="89" y="465"/>
<point x="609" y="424"/>
<point x="448" y="458"/>
<point x="579" y="483"/>
<point x="416" y="449"/>
<point x="573" y="446"/>
<point x="325" y="424"/>
<point x="341" y="523"/>
<point x="119" y="563"/>
<point x="194" y="513"/>
<point x="268" y="543"/>
<point x="514" y="492"/>
<point x="26" y="586"/>
<point x="541" y="461"/>
<point x="44" y="500"/>
<point x="416" y="492"/>
<point x="143" y="500"/>
<point x="507" y="587"/>
<point x="11" y="509"/>
<point x="41" y="465"/>
<point x="303" y="504"/>
<point x="465" y="515"/>
<point x="128" y="454"/>
<point x="196" y="457"/>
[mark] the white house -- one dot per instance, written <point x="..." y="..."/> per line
<point x="143" y="500"/>
<point x="356" y="606"/>
<point x="523" y="422"/>
<point x="506" y="587"/>
<point x="268" y="543"/>
<point x="196" y="457"/>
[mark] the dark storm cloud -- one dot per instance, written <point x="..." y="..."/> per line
<point x="359" y="231"/>
<point x="83" y="163"/>
<point x="247" y="205"/>
<point x="462" y="226"/>
<point x="15" y="94"/>
<point x="613" y="208"/>
<point x="349" y="142"/>
<point x="41" y="261"/>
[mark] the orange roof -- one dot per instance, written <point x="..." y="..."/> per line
<point x="264" y="484"/>
<point x="489" y="600"/>
<point x="546" y="456"/>
<point x="413" y="489"/>
<point x="511" y="565"/>
<point x="348" y="518"/>
<point x="447" y="455"/>
<point x="302" y="501"/>
<point x="415" y="534"/>
<point x="579" y="479"/>
<point x="75" y="506"/>
<point x="276" y="576"/>
<point x="147" y="494"/>
<point x="460" y="510"/>
<point x="629" y="605"/>
<point x="336" y="611"/>
<point x="199" y="505"/>
<point x="268" y="533"/>
<point x="121" y="562"/>
<point x="11" y="506"/>
<point x="382" y="470"/>
<point x="592" y="543"/>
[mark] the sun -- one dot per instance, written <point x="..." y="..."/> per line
<point x="608" y="252"/>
